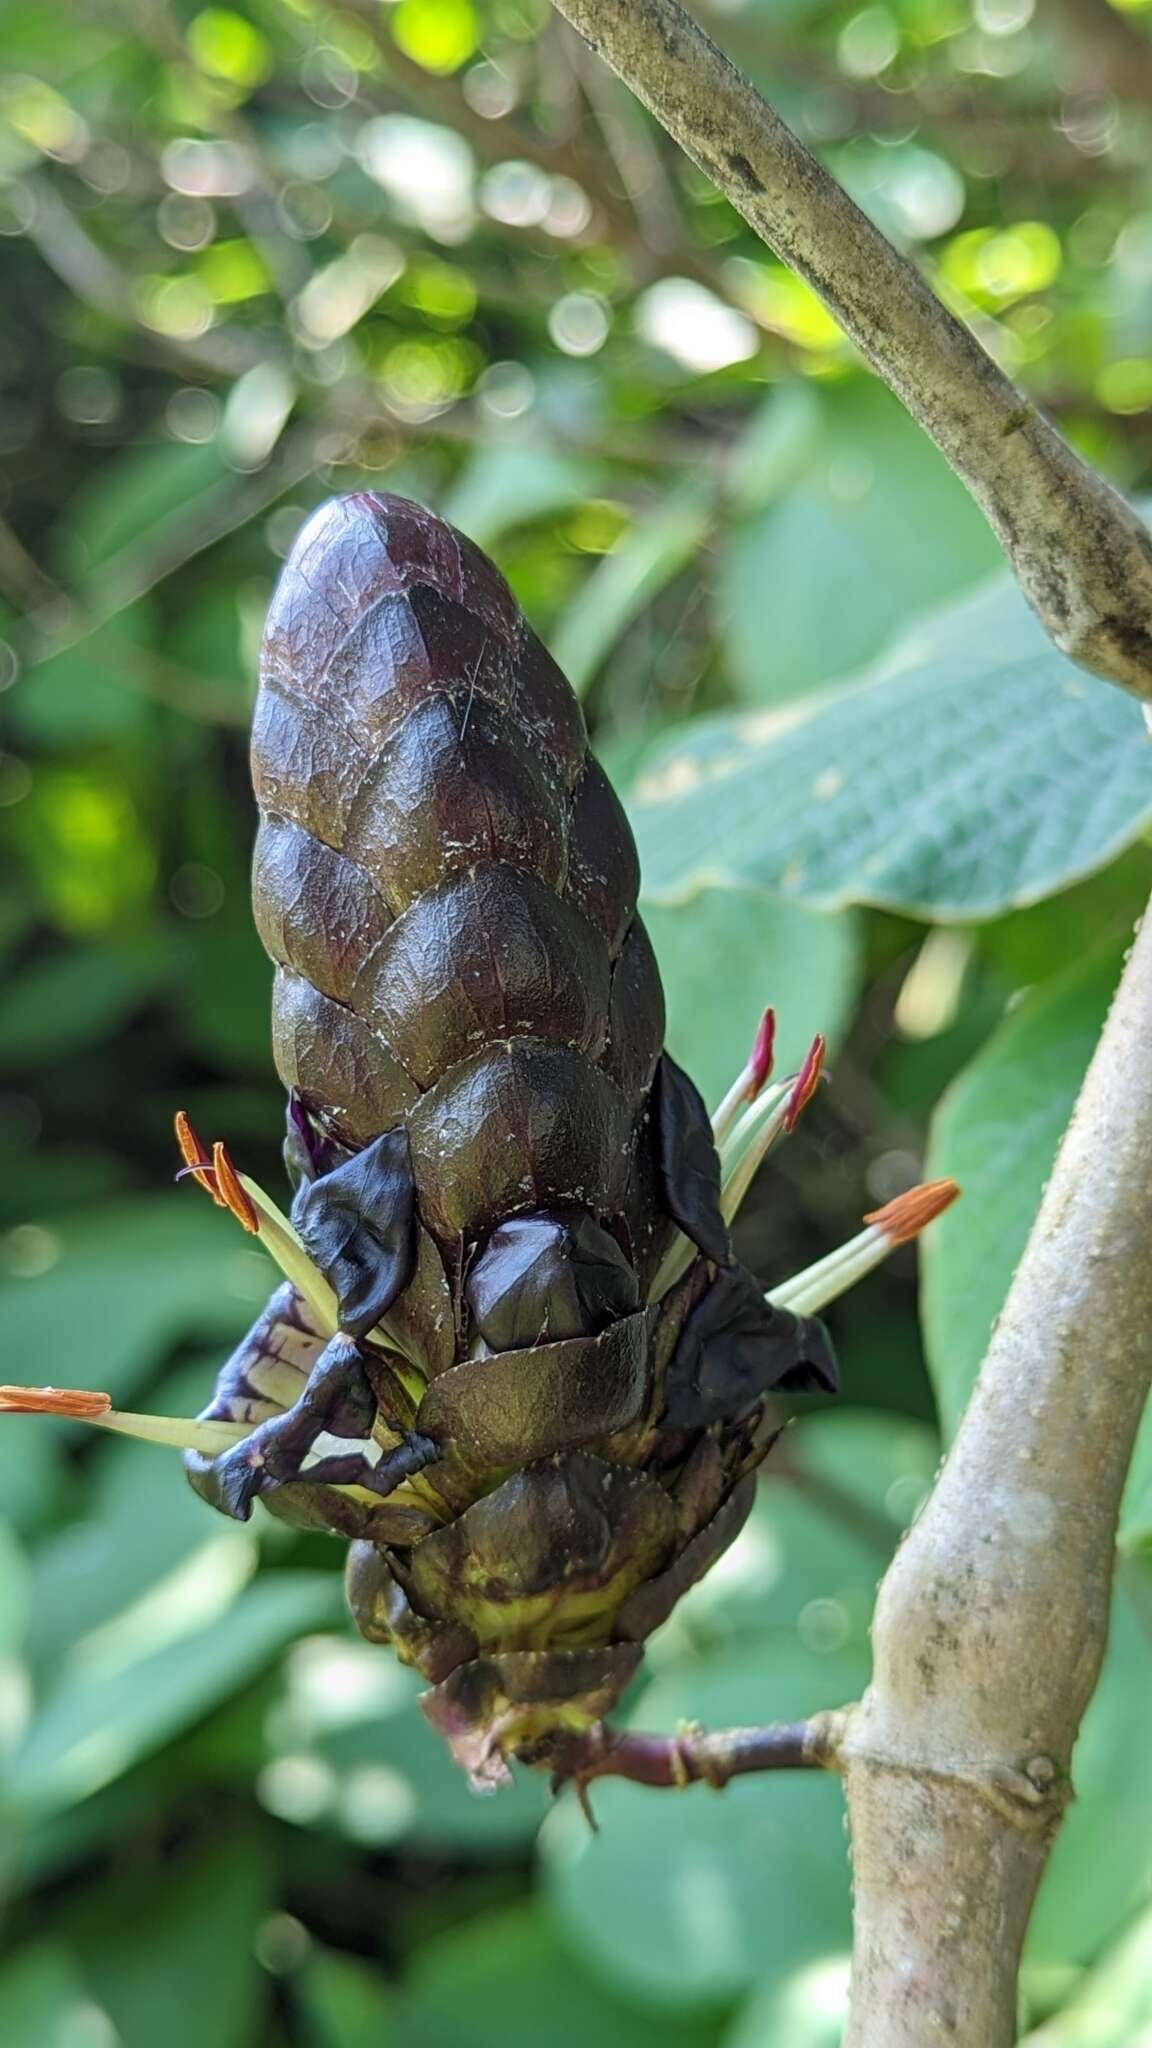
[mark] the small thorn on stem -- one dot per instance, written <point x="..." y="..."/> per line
<point x="233" y="1194"/>
<point x="906" y="1216"/>
<point x="71" y="1401"/>
<point x="806" y="1083"/>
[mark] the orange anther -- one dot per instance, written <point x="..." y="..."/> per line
<point x="54" y="1401"/>
<point x="806" y="1083"/>
<point x="760" y="1064"/>
<point x="233" y="1193"/>
<point x="196" y="1159"/>
<point x="906" y="1216"/>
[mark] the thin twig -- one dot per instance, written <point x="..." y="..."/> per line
<point x="1081" y="555"/>
<point x="693" y="1756"/>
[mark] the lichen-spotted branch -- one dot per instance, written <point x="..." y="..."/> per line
<point x="1081" y="555"/>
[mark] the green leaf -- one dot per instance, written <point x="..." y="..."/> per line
<point x="1101" y="1870"/>
<point x="90" y="691"/>
<point x="996" y="1132"/>
<point x="57" y="1005"/>
<point x="345" y="2003"/>
<point x="508" y="1981"/>
<point x="513" y="483"/>
<point x="225" y="953"/>
<point x="195" y="1980"/>
<point x="808" y="2011"/>
<point x="877" y="530"/>
<point x="116" y="1288"/>
<point x="43" y="2003"/>
<point x="777" y="447"/>
<point x="353" y="1751"/>
<point x="92" y="1573"/>
<point x="103" y="1715"/>
<point x="648" y="556"/>
<point x="1113" y="2009"/>
<point x="804" y="1570"/>
<point x="975" y="771"/>
<point x="684" y="1902"/>
<point x="724" y="955"/>
<point x="124" y="1282"/>
<point x="144" y="495"/>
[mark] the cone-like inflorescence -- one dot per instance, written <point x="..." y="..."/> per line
<point x="513" y="1358"/>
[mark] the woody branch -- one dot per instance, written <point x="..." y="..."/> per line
<point x="1079" y="552"/>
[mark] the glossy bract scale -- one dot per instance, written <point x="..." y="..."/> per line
<point x="493" y="1158"/>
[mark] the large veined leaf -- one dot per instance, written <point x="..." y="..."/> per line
<point x="974" y="771"/>
<point x="997" y="1132"/>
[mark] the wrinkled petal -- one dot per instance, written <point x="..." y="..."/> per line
<point x="358" y="1226"/>
<point x="734" y="1348"/>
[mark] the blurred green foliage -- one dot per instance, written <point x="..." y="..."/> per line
<point x="262" y="252"/>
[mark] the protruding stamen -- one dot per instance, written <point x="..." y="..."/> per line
<point x="906" y="1216"/>
<point x="232" y="1190"/>
<point x="259" y="1216"/>
<point x="751" y="1078"/>
<point x="196" y="1160"/>
<point x="72" y="1401"/>
<point x="762" y="1050"/>
<point x="182" y="1433"/>
<point x="806" y="1083"/>
<point x="894" y="1224"/>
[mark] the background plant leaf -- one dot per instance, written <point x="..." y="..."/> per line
<point x="725" y="955"/>
<point x="877" y="517"/>
<point x="975" y="770"/>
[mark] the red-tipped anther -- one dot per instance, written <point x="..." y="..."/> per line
<point x="806" y="1083"/>
<point x="196" y="1160"/>
<point x="760" y="1064"/>
<point x="233" y="1193"/>
<point x="907" y="1215"/>
<point x="73" y="1401"/>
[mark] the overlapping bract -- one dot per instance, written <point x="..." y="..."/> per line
<point x="493" y="1158"/>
